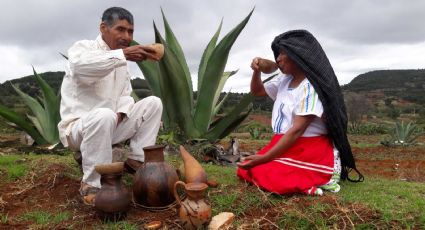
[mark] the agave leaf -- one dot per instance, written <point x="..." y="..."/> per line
<point x="150" y="71"/>
<point x="38" y="126"/>
<point x="206" y="55"/>
<point x="175" y="47"/>
<point x="233" y="125"/>
<point x="219" y="105"/>
<point x="32" y="103"/>
<point x="172" y="83"/>
<point x="219" y="128"/>
<point x="51" y="102"/>
<point x="63" y="55"/>
<point x="211" y="79"/>
<point x="22" y="123"/>
<point x="220" y="86"/>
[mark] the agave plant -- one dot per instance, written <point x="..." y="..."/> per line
<point x="42" y="124"/>
<point x="170" y="80"/>
<point x="402" y="135"/>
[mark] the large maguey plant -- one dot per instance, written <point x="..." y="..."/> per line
<point x="42" y="124"/>
<point x="170" y="79"/>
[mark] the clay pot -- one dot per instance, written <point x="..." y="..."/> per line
<point x="267" y="66"/>
<point x="195" y="210"/>
<point x="154" y="180"/>
<point x="113" y="200"/>
<point x="193" y="171"/>
<point x="159" y="50"/>
<point x="116" y="167"/>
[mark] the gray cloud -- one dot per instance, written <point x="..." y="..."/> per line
<point x="357" y="35"/>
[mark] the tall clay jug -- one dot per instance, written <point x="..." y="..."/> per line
<point x="193" y="171"/>
<point x="195" y="210"/>
<point x="113" y="199"/>
<point x="154" y="181"/>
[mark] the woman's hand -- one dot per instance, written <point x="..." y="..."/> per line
<point x="254" y="64"/>
<point x="251" y="161"/>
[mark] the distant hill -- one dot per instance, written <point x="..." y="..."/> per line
<point x="407" y="85"/>
<point x="402" y="88"/>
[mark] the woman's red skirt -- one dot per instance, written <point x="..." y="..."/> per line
<point x="307" y="164"/>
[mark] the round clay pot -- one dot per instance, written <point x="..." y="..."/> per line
<point x="267" y="66"/>
<point x="154" y="181"/>
<point x="113" y="200"/>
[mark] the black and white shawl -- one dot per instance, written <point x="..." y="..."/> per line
<point x="303" y="48"/>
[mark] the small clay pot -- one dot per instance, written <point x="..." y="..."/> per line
<point x="195" y="210"/>
<point x="267" y="66"/>
<point x="159" y="50"/>
<point x="116" y="167"/>
<point x="113" y="200"/>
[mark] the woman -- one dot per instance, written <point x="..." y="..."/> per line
<point x="309" y="122"/>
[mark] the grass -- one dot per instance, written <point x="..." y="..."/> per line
<point x="375" y="203"/>
<point x="4" y="218"/>
<point x="399" y="201"/>
<point x="13" y="166"/>
<point x="43" y="218"/>
<point x="121" y="225"/>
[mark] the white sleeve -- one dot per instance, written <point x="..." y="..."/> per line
<point x="308" y="102"/>
<point x="272" y="87"/>
<point x="90" y="64"/>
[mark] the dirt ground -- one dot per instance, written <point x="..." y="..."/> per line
<point x="50" y="189"/>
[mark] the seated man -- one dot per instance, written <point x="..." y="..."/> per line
<point x="96" y="109"/>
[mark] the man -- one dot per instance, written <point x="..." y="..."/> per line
<point x="97" y="110"/>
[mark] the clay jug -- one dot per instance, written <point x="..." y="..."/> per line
<point x="267" y="66"/>
<point x="154" y="180"/>
<point x="195" y="210"/>
<point x="113" y="200"/>
<point x="193" y="171"/>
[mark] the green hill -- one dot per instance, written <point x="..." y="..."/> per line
<point x="407" y="85"/>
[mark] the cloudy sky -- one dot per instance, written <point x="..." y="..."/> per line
<point x="358" y="36"/>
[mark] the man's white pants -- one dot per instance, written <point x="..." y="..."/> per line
<point x="95" y="133"/>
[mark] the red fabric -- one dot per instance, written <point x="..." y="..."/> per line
<point x="291" y="176"/>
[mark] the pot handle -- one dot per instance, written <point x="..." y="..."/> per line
<point x="176" y="195"/>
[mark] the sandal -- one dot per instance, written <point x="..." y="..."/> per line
<point x="88" y="193"/>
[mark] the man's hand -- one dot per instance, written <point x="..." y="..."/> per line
<point x="251" y="161"/>
<point x="139" y="53"/>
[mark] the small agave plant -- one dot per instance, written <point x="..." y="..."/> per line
<point x="42" y="124"/>
<point x="170" y="79"/>
<point x="402" y="135"/>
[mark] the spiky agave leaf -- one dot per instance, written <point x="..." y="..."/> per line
<point x="211" y="80"/>
<point x="232" y="119"/>
<point x="220" y="87"/>
<point x="51" y="104"/>
<point x="220" y="104"/>
<point x="206" y="55"/>
<point x="175" y="47"/>
<point x="176" y="93"/>
<point x="150" y="70"/>
<point x="22" y="123"/>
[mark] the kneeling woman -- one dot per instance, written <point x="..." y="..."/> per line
<point x="308" y="119"/>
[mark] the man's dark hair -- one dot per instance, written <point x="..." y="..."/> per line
<point x="116" y="13"/>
